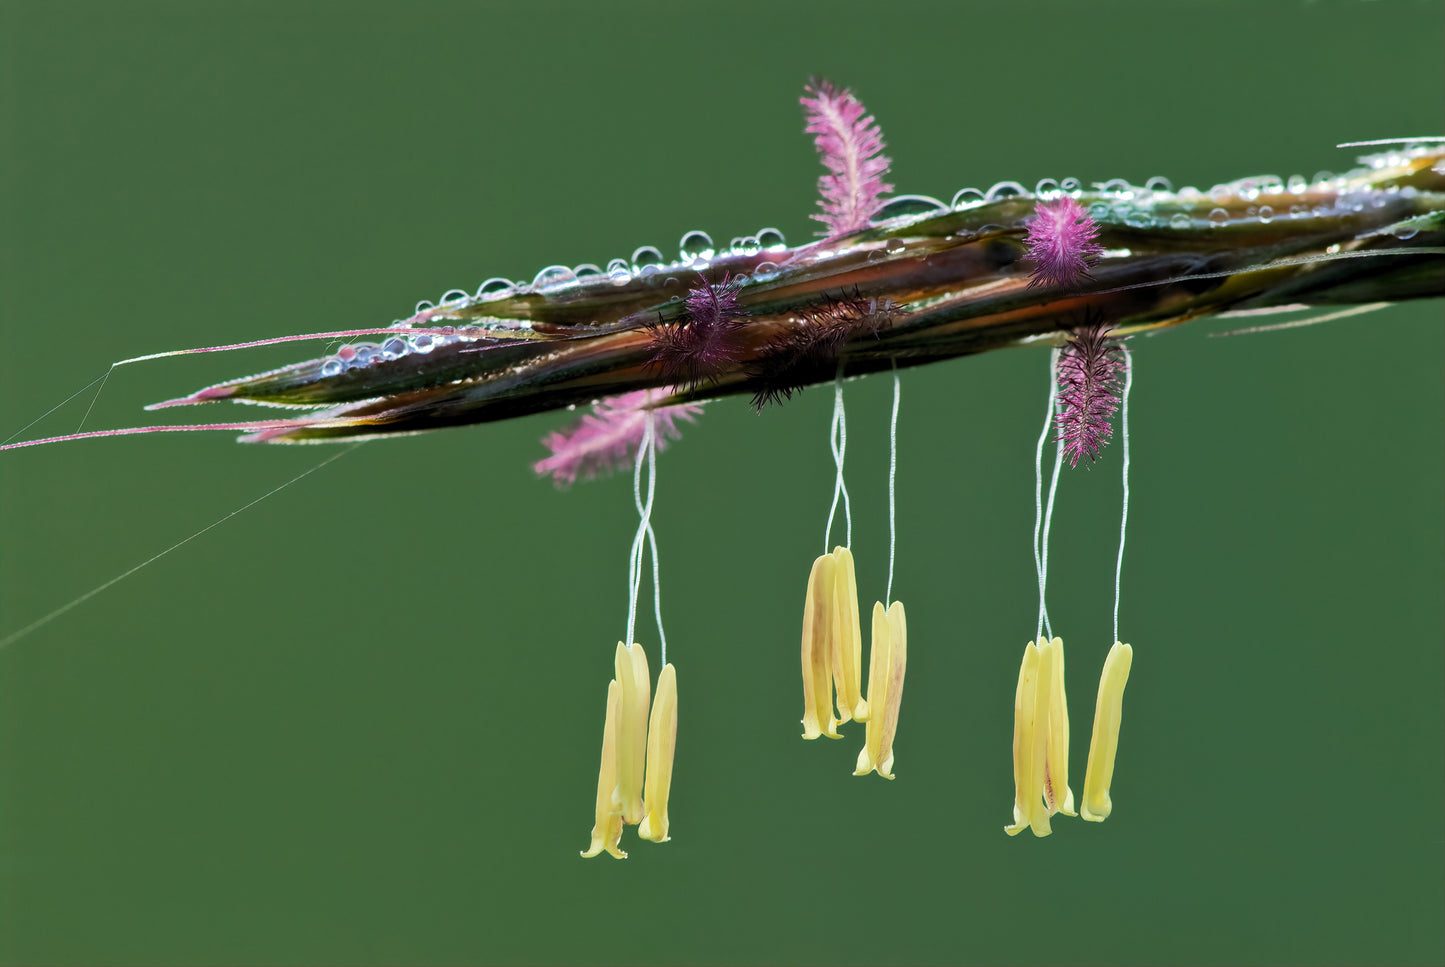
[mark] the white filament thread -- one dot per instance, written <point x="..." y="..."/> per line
<point x="645" y="538"/>
<point x="892" y="480"/>
<point x="838" y="441"/>
<point x="1041" y="521"/>
<point x="1124" y="515"/>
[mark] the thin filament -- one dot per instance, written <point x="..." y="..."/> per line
<point x="645" y="538"/>
<point x="99" y="379"/>
<point x="40" y="622"/>
<point x="892" y="481"/>
<point x="86" y="415"/>
<point x="1048" y="523"/>
<point x="1040" y="541"/>
<point x="838" y="441"/>
<point x="1311" y="321"/>
<point x="1124" y="515"/>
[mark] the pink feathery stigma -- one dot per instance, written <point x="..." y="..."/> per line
<point x="849" y="143"/>
<point x="693" y="351"/>
<point x="1063" y="242"/>
<point x="1091" y="367"/>
<point x="610" y="435"/>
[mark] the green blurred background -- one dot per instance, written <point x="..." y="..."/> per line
<point x="359" y="722"/>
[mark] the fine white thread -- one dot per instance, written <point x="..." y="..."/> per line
<point x="40" y="622"/>
<point x="838" y="441"/>
<point x="99" y="379"/>
<point x="1041" y="527"/>
<point x="645" y="538"/>
<point x="892" y="481"/>
<point x="1124" y="515"/>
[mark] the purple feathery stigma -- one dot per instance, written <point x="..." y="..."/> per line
<point x="695" y="350"/>
<point x="610" y="435"/>
<point x="850" y="144"/>
<point x="1062" y="242"/>
<point x="1091" y="367"/>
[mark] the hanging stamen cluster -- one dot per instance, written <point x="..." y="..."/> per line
<point x="1041" y="714"/>
<point x="639" y="735"/>
<point x="832" y="636"/>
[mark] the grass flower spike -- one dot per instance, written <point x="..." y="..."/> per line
<point x="661" y="741"/>
<point x="850" y="145"/>
<point x="607" y="831"/>
<point x="1062" y="243"/>
<point x="1108" y="711"/>
<point x="1091" y="369"/>
<point x="610" y="435"/>
<point x="888" y="658"/>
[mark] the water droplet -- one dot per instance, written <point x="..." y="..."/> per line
<point x="1117" y="186"/>
<point x="1299" y="210"/>
<point x="495" y="288"/>
<point x="1046" y="186"/>
<point x="965" y="197"/>
<point x="616" y="264"/>
<point x="364" y="353"/>
<point x="894" y="245"/>
<point x="422" y="306"/>
<point x="422" y="342"/>
<point x="1404" y="230"/>
<point x="1322" y="177"/>
<point x="1159" y="183"/>
<point x="1004" y="189"/>
<point x="1099" y="211"/>
<point x="671" y="283"/>
<point x="747" y="245"/>
<point x="332" y="367"/>
<point x="1219" y="193"/>
<point x="1265" y="214"/>
<point x="619" y="275"/>
<point x="1219" y="216"/>
<point x="394" y="347"/>
<point x="1180" y="220"/>
<point x="645" y="256"/>
<point x="1297" y="183"/>
<point x="764" y="268"/>
<point x="695" y="245"/>
<point x="346" y="354"/>
<point x="771" y="239"/>
<point x="1071" y="184"/>
<point x="909" y="206"/>
<point x="585" y="270"/>
<point x="553" y="275"/>
<point x="1189" y="193"/>
<point x="455" y="295"/>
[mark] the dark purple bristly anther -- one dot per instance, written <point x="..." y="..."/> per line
<point x="1063" y="242"/>
<point x="809" y="352"/>
<point x="695" y="350"/>
<point x="1091" y="367"/>
<point x="850" y="145"/>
